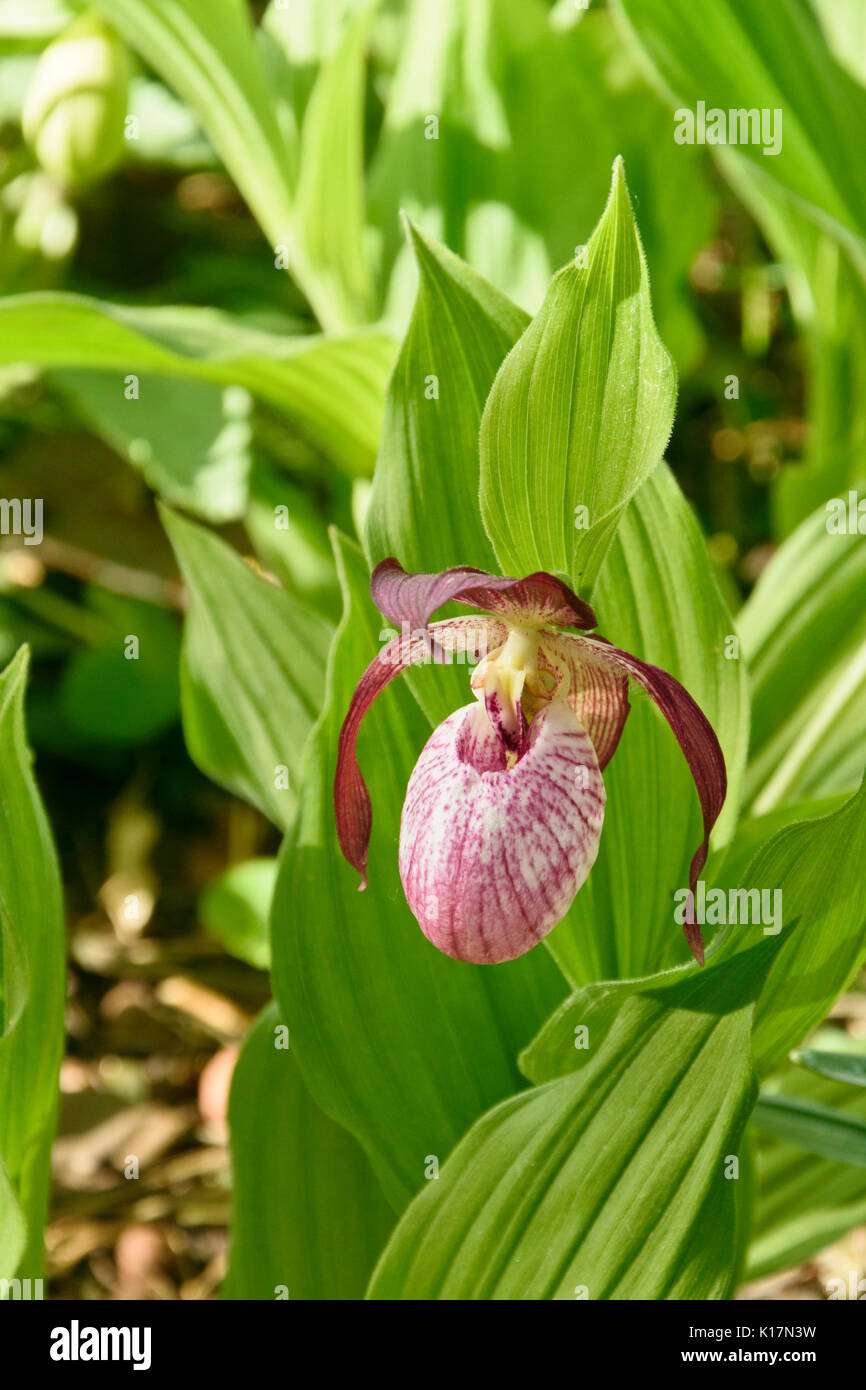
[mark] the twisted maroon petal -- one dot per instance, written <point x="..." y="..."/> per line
<point x="472" y="636"/>
<point x="537" y="600"/>
<point x="696" y="738"/>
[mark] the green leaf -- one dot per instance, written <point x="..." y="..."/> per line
<point x="485" y="186"/>
<point x="13" y="1228"/>
<point x="844" y="25"/>
<point x="32" y="989"/>
<point x="191" y="439"/>
<point x="836" y="1066"/>
<point x="805" y="1202"/>
<point x="835" y="456"/>
<point x="580" y="411"/>
<point x="400" y="1044"/>
<point x="424" y="501"/>
<point x="816" y="1128"/>
<point x="109" y="695"/>
<point x="727" y="866"/>
<point x="828" y="298"/>
<point x="308" y="30"/>
<point x="309" y="1218"/>
<point x="330" y="388"/>
<point x="587" y="1014"/>
<point x="815" y="867"/>
<point x="252" y="672"/>
<point x="443" y="74"/>
<point x="589" y="84"/>
<point x="330" y="192"/>
<point x="735" y="56"/>
<point x="287" y="526"/>
<point x="804" y="636"/>
<point x="658" y="598"/>
<point x="235" y="909"/>
<point x="607" y="1184"/>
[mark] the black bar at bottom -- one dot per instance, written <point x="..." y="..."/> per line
<point x="225" y="1339"/>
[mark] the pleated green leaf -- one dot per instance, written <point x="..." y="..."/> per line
<point x="108" y="697"/>
<point x="424" y="502"/>
<point x="836" y="1066"/>
<point x="330" y="388"/>
<point x="298" y="551"/>
<point x="835" y="459"/>
<point x="32" y="990"/>
<point x="402" y="1045"/>
<point x="814" y="869"/>
<point x="815" y="1128"/>
<point x="736" y="56"/>
<point x="252" y="671"/>
<point x="330" y="193"/>
<point x="804" y="637"/>
<point x="580" y="411"/>
<point x="828" y="300"/>
<point x="485" y="186"/>
<point x="805" y="1202"/>
<point x="307" y="30"/>
<point x="309" y="1218"/>
<point x="191" y="439"/>
<point x="727" y="866"/>
<point x="617" y="1182"/>
<point x="656" y="597"/>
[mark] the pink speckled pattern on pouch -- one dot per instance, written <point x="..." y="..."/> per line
<point x="491" y="857"/>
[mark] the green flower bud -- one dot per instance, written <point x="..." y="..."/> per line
<point x="75" y="106"/>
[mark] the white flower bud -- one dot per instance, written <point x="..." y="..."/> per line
<point x="76" y="103"/>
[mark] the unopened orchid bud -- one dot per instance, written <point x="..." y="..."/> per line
<point x="74" y="110"/>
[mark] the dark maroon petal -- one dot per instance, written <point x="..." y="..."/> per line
<point x="351" y="799"/>
<point x="696" y="738"/>
<point x="539" y="599"/>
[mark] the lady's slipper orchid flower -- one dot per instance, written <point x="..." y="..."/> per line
<point x="503" y="812"/>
